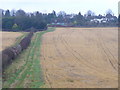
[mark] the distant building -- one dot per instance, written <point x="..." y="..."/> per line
<point x="58" y="24"/>
<point x="102" y="20"/>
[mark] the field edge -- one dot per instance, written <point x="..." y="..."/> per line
<point x="27" y="66"/>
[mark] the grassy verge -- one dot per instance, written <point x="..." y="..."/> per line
<point x="26" y="71"/>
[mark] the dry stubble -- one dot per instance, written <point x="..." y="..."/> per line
<point x="8" y="39"/>
<point x="80" y="58"/>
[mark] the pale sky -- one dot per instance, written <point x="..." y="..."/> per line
<point x="69" y="6"/>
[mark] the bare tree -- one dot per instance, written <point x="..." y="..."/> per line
<point x="109" y="11"/>
<point x="90" y="13"/>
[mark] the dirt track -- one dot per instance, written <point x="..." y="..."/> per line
<point x="80" y="58"/>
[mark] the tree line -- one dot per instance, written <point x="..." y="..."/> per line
<point x="119" y="20"/>
<point x="20" y="20"/>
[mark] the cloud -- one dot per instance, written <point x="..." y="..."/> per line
<point x="32" y="1"/>
<point x="69" y="6"/>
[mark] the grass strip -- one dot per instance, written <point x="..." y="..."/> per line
<point x="31" y="69"/>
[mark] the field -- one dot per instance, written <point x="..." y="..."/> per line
<point x="67" y="58"/>
<point x="25" y="71"/>
<point x="9" y="38"/>
<point x="80" y="58"/>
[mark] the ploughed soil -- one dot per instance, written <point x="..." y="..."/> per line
<point x="80" y="58"/>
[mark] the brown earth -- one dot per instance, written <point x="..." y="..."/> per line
<point x="8" y="38"/>
<point x="80" y="58"/>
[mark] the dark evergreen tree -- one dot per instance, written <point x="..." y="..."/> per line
<point x="7" y="13"/>
<point x="7" y="23"/>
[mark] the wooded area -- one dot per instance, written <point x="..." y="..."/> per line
<point x="21" y="21"/>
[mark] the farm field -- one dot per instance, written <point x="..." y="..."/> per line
<point x="25" y="71"/>
<point x="80" y="58"/>
<point x="67" y="58"/>
<point x="9" y="38"/>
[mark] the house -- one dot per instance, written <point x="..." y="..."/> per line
<point x="102" y="20"/>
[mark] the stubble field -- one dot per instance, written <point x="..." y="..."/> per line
<point x="9" y="38"/>
<point x="80" y="58"/>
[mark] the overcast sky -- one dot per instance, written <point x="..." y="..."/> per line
<point x="69" y="6"/>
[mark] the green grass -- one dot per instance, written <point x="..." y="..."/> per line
<point x="25" y="70"/>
